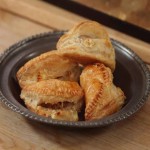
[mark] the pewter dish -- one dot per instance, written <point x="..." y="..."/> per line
<point x="131" y="74"/>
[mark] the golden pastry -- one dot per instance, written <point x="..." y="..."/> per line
<point x="102" y="97"/>
<point x="50" y="65"/>
<point x="54" y="98"/>
<point x="49" y="81"/>
<point x="87" y="43"/>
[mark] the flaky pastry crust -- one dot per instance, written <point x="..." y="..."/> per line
<point x="50" y="65"/>
<point x="88" y="42"/>
<point x="102" y="97"/>
<point x="54" y="98"/>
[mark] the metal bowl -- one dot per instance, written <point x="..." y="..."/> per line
<point x="131" y="74"/>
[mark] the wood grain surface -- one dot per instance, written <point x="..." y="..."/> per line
<point x="56" y="18"/>
<point x="17" y="133"/>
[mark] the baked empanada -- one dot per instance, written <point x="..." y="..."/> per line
<point x="50" y="65"/>
<point x="87" y="43"/>
<point x="54" y="98"/>
<point x="102" y="97"/>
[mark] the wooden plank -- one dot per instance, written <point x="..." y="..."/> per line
<point x="20" y="133"/>
<point x="47" y="15"/>
<point x="14" y="28"/>
<point x="54" y="17"/>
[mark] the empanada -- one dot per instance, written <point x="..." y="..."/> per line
<point x="54" y="98"/>
<point x="50" y="65"/>
<point x="87" y="43"/>
<point x="102" y="97"/>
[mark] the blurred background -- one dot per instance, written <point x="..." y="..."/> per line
<point x="127" y="21"/>
<point x="136" y="12"/>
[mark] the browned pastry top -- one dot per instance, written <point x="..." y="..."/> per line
<point x="102" y="97"/>
<point x="87" y="43"/>
<point x="53" y="96"/>
<point x="50" y="65"/>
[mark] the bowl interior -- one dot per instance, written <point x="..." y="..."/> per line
<point x="128" y="75"/>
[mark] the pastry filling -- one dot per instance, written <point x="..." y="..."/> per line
<point x="60" y="105"/>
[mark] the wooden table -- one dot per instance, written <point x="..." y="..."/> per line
<point x="26" y="18"/>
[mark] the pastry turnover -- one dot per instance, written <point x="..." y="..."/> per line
<point x="54" y="98"/>
<point x="49" y="82"/>
<point x="87" y="43"/>
<point x="102" y="97"/>
<point x="50" y="65"/>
